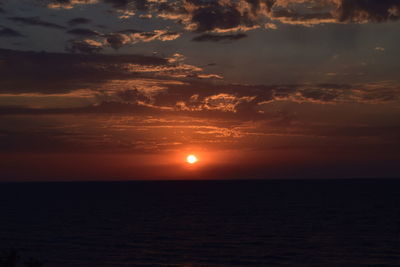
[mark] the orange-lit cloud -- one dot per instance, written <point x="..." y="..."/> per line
<point x="242" y="15"/>
<point x="69" y="3"/>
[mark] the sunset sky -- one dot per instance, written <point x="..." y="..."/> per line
<point x="126" y="89"/>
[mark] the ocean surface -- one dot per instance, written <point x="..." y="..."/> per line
<point x="204" y="223"/>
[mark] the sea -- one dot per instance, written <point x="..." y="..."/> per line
<point x="343" y="222"/>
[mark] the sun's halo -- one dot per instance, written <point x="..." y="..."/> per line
<point x="191" y="159"/>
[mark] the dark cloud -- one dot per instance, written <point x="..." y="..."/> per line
<point x="78" y="21"/>
<point x="84" y="46"/>
<point x="217" y="17"/>
<point x="116" y="40"/>
<point x="35" y="21"/>
<point x="118" y="3"/>
<point x="320" y="95"/>
<point x="219" y="37"/>
<point x="336" y="11"/>
<point x="289" y="16"/>
<point x="60" y="72"/>
<point x="232" y="15"/>
<point x="83" y="32"/>
<point x="132" y="4"/>
<point x="366" y="10"/>
<point x="228" y="17"/>
<point x="8" y="32"/>
<point x="131" y="96"/>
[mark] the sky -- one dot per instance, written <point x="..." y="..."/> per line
<point x="126" y="89"/>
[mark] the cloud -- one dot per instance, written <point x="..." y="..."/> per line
<point x="137" y="103"/>
<point x="244" y="15"/>
<point x="83" y="32"/>
<point x="162" y="35"/>
<point x="78" y="21"/>
<point x="67" y="4"/>
<point x="41" y="72"/>
<point x="205" y="16"/>
<point x="225" y="16"/>
<point x="218" y="38"/>
<point x="335" y="11"/>
<point x="220" y="102"/>
<point x="149" y="83"/>
<point x="128" y="7"/>
<point x="61" y="72"/>
<point x="117" y="40"/>
<point x="215" y="16"/>
<point x="249" y="100"/>
<point x="204" y="99"/>
<point x="362" y="11"/>
<point x="124" y="37"/>
<point x="86" y="46"/>
<point x="8" y="32"/>
<point x="35" y="21"/>
<point x="95" y="42"/>
<point x="113" y="126"/>
<point x="291" y="17"/>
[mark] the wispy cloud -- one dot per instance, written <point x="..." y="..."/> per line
<point x="219" y="38"/>
<point x="128" y="83"/>
<point x="36" y="21"/>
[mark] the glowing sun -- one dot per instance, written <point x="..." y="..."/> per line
<point x="191" y="159"/>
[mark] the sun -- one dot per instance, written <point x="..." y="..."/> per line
<point x="191" y="159"/>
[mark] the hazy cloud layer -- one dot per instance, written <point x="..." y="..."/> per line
<point x="136" y="131"/>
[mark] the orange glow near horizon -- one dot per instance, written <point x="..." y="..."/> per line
<point x="191" y="159"/>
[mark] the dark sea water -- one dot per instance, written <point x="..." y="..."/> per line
<point x="204" y="223"/>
